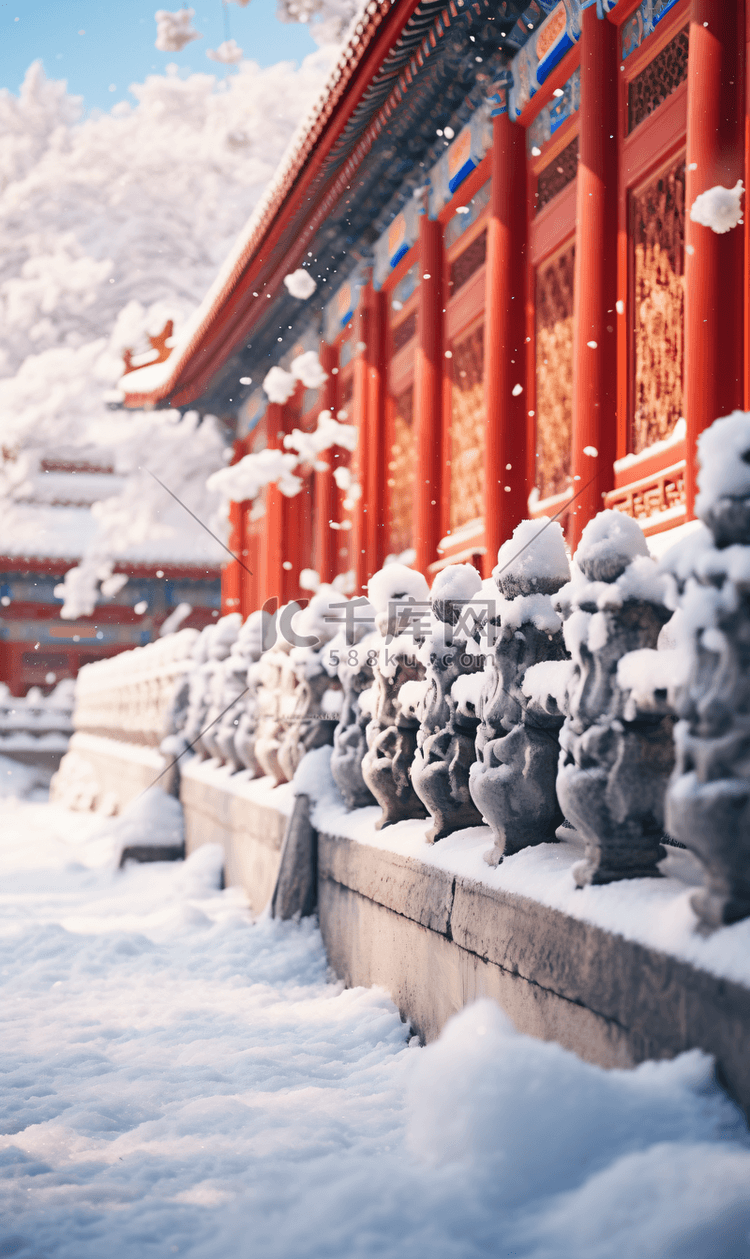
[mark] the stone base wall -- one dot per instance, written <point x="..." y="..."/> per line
<point x="436" y="940"/>
<point x="102" y="773"/>
<point x="236" y="814"/>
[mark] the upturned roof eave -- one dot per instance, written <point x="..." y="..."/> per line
<point x="229" y="301"/>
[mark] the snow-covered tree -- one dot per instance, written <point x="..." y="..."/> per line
<point x="174" y="30"/>
<point x="329" y="20"/>
<point x="110" y="226"/>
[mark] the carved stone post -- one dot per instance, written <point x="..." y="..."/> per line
<point x="708" y="802"/>
<point x="211" y="648"/>
<point x="244" y="653"/>
<point x="247" y="727"/>
<point x="614" y="761"/>
<point x="222" y="640"/>
<point x="512" y="782"/>
<point x="355" y="672"/>
<point x="317" y="703"/>
<point x="276" y="699"/>
<point x="445" y="751"/>
<point x="400" y="597"/>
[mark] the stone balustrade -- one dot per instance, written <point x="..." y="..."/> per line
<point x="35" y="729"/>
<point x="129" y="696"/>
<point x="601" y="699"/>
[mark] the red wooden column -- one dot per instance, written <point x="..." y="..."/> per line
<point x="363" y="454"/>
<point x="271" y="572"/>
<point x="250" y="557"/>
<point x="505" y="342"/>
<point x="374" y="490"/>
<point x="428" y="395"/>
<point x="231" y="573"/>
<point x="296" y="517"/>
<point x="594" y="345"/>
<point x="714" y="264"/>
<point x="326" y="490"/>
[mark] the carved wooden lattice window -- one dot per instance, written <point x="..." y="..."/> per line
<point x="658" y="234"/>
<point x="653" y="85"/>
<point x="404" y="332"/>
<point x="469" y="262"/>
<point x="561" y="171"/>
<point x="401" y="471"/>
<point x="467" y="429"/>
<point x="554" y="371"/>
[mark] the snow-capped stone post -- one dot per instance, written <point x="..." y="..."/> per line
<point x="445" y="751"/>
<point x="512" y="781"/>
<point x="232" y="730"/>
<point x="351" y="656"/>
<point x="209" y="650"/>
<point x="222" y="640"/>
<point x="708" y="802"/>
<point x="172" y="744"/>
<point x="400" y="597"/>
<point x="276" y="697"/>
<point x="247" y="728"/>
<point x="614" y="761"/>
<point x="317" y="701"/>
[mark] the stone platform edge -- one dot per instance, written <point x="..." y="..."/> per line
<point x="436" y="939"/>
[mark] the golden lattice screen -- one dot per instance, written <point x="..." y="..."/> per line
<point x="401" y="471"/>
<point x="554" y="371"/>
<point x="467" y="429"/>
<point x="658" y="236"/>
<point x="560" y="172"/>
<point x="661" y="77"/>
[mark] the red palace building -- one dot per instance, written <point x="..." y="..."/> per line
<point x="513" y="304"/>
<point x="48" y="533"/>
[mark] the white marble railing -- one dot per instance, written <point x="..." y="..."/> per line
<point x="36" y="722"/>
<point x="128" y="696"/>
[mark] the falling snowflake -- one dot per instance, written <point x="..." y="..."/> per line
<point x="719" y="208"/>
<point x="300" y="284"/>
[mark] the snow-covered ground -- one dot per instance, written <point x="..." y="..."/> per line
<point x="176" y="1079"/>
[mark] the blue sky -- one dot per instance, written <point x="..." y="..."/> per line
<point x="117" y="46"/>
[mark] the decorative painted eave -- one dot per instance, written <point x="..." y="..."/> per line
<point x="386" y="51"/>
<point x="351" y="96"/>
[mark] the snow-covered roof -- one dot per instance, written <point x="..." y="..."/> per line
<point x="75" y="489"/>
<point x="45" y="531"/>
<point x="370" y="92"/>
<point x="153" y="382"/>
<point x="381" y="44"/>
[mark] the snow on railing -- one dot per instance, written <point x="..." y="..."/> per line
<point x="36" y="722"/>
<point x="128" y="696"/>
<point x="603" y="697"/>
